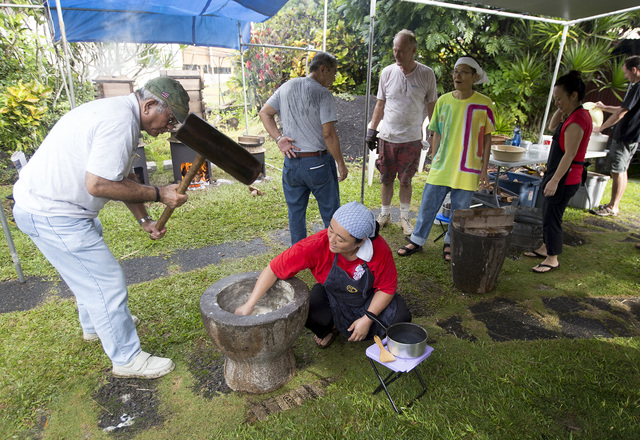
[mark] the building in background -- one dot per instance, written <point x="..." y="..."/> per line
<point x="214" y="64"/>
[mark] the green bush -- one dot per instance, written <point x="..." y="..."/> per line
<point x="22" y="109"/>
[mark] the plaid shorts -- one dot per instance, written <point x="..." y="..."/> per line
<point x="401" y="159"/>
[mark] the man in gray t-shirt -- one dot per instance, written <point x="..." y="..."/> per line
<point x="308" y="115"/>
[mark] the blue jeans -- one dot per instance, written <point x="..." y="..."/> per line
<point x="303" y="176"/>
<point x="432" y="198"/>
<point x="75" y="247"/>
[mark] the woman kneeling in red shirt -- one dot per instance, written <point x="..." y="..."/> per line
<point x="355" y="272"/>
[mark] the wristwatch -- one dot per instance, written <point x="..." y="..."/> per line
<point x="145" y="219"/>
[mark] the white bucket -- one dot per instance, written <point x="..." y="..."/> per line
<point x="597" y="142"/>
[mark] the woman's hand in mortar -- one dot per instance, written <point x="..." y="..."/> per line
<point x="244" y="309"/>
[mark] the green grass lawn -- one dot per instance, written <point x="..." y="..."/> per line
<point x="542" y="389"/>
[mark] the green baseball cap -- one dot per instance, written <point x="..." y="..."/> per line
<point x="170" y="91"/>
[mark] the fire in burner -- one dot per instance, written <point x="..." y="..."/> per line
<point x="200" y="179"/>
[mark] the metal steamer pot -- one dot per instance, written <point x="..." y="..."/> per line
<point x="404" y="339"/>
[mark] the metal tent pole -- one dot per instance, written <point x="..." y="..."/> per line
<point x="565" y="30"/>
<point x="365" y="149"/>
<point x="65" y="49"/>
<point x="244" y="85"/>
<point x="12" y="247"/>
<point x="324" y="29"/>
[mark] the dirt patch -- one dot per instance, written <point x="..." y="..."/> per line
<point x="129" y="406"/>
<point x="350" y="125"/>
<point x="602" y="222"/>
<point x="576" y="317"/>
<point x="453" y="326"/>
<point x="206" y="365"/>
<point x="592" y="317"/>
<point x="506" y="321"/>
<point x="573" y="237"/>
<point x="420" y="300"/>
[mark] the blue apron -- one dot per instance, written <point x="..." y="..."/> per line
<point x="349" y="299"/>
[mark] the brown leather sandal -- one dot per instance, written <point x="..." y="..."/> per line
<point x="446" y="254"/>
<point x="332" y="337"/>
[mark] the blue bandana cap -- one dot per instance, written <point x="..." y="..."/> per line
<point x="357" y="220"/>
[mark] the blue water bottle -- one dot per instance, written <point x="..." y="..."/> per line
<point x="516" y="136"/>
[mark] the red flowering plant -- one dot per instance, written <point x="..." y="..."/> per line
<point x="263" y="68"/>
<point x="300" y="25"/>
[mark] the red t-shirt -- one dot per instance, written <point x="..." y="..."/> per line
<point x="583" y="119"/>
<point x="313" y="253"/>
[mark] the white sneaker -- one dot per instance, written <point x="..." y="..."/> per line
<point x="90" y="337"/>
<point x="406" y="226"/>
<point x="145" y="366"/>
<point x="384" y="220"/>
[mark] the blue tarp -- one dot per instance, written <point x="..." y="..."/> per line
<point x="193" y="22"/>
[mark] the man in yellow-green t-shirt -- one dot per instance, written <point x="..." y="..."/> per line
<point x="462" y="123"/>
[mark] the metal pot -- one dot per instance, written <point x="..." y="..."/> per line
<point x="404" y="339"/>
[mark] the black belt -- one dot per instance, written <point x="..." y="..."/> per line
<point x="312" y="154"/>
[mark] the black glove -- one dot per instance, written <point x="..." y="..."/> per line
<point x="372" y="139"/>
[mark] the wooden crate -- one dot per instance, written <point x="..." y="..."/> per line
<point x="197" y="107"/>
<point x="189" y="79"/>
<point x="107" y="87"/>
<point x="194" y="95"/>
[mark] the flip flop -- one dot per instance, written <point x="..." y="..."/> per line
<point x="409" y="251"/>
<point x="544" y="265"/>
<point x="333" y="333"/>
<point x="445" y="253"/>
<point x="534" y="254"/>
<point x="605" y="211"/>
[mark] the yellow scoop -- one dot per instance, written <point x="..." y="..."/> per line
<point x="385" y="356"/>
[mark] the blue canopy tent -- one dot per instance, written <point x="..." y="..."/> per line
<point x="193" y="22"/>
<point x="218" y="23"/>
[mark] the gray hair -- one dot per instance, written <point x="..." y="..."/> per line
<point x="143" y="94"/>
<point x="410" y="36"/>
<point x="322" y="59"/>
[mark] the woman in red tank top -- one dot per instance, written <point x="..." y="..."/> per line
<point x="572" y="128"/>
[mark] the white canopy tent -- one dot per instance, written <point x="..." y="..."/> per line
<point x="563" y="12"/>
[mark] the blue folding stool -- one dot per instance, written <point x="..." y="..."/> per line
<point x="443" y="220"/>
